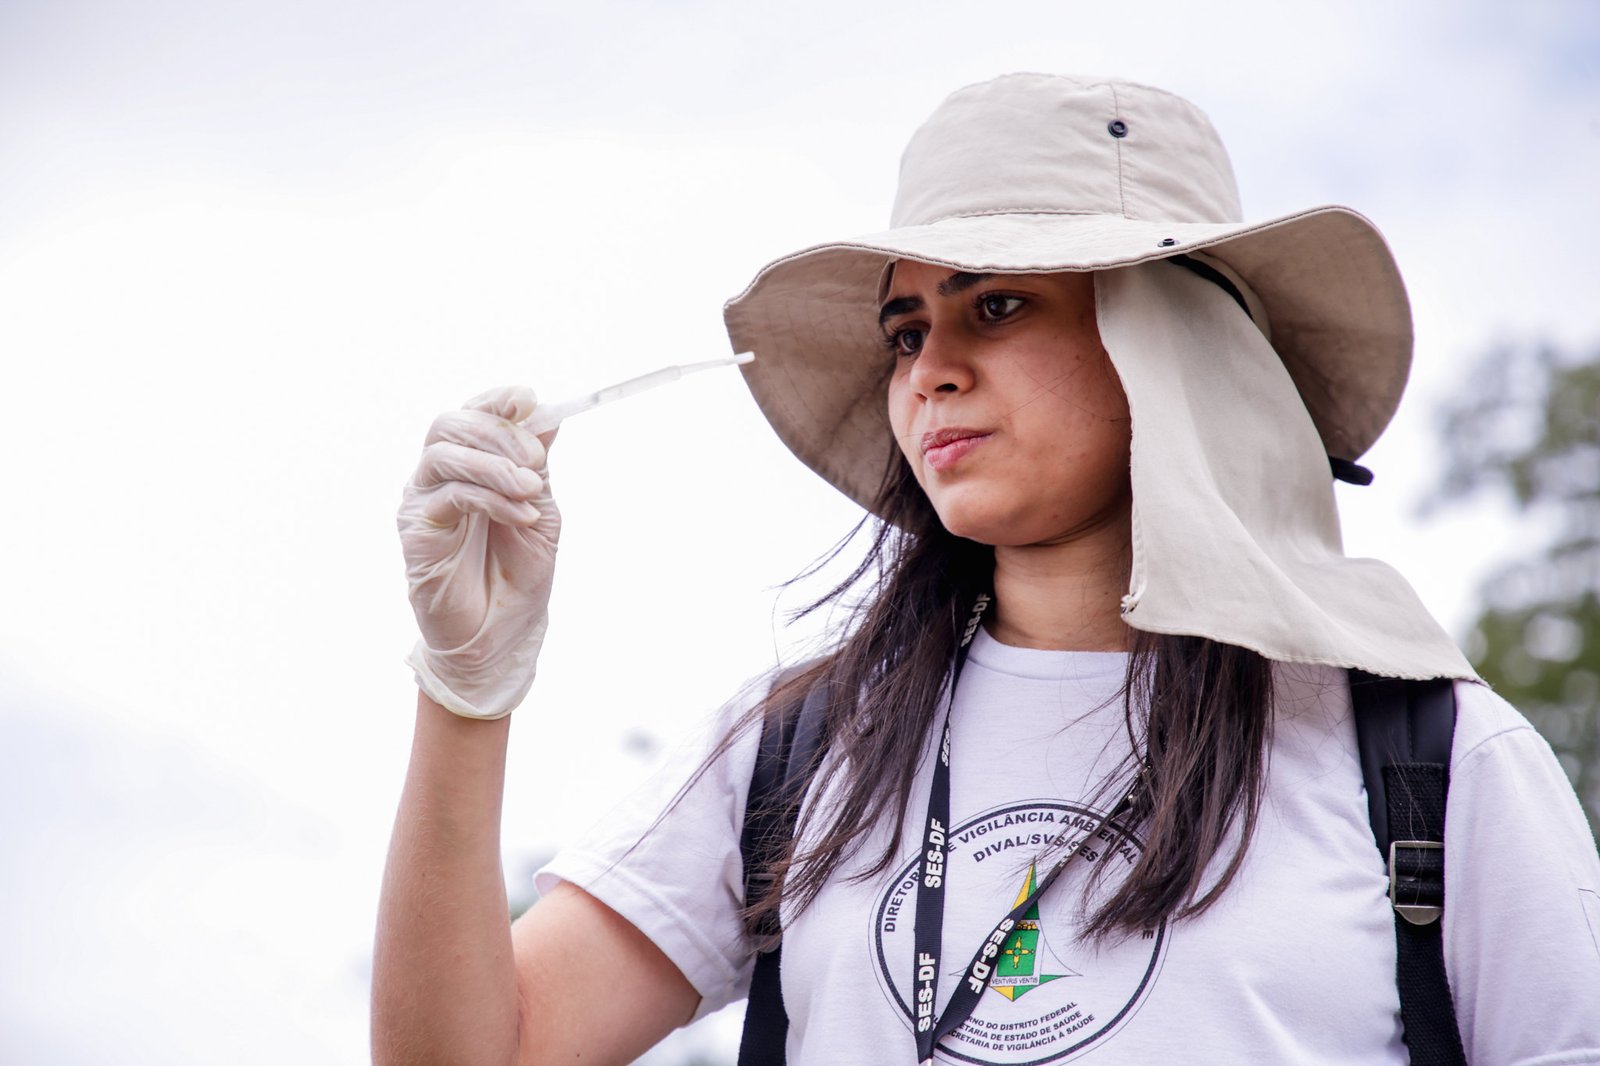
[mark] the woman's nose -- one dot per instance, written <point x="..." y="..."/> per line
<point x="943" y="365"/>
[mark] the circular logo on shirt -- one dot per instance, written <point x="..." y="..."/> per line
<point x="1050" y="996"/>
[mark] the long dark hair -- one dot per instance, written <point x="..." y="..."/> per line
<point x="1198" y="710"/>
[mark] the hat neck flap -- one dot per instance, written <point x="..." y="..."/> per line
<point x="1235" y="530"/>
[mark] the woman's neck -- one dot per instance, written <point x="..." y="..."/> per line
<point x="1065" y="596"/>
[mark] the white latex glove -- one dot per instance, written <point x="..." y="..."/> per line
<point x="479" y="528"/>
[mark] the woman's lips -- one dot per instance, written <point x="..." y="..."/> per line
<point x="947" y="447"/>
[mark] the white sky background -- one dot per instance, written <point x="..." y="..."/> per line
<point x="249" y="249"/>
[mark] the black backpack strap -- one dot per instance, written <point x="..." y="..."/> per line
<point x="1404" y="731"/>
<point x="784" y="764"/>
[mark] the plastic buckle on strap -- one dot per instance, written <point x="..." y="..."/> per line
<point x="1416" y="883"/>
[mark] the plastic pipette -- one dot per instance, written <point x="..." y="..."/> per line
<point x="548" y="416"/>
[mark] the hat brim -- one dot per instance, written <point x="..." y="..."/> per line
<point x="1339" y="317"/>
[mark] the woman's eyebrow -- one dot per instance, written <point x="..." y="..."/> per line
<point x="960" y="281"/>
<point x="900" y="305"/>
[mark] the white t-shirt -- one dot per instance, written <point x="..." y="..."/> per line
<point x="1294" y="964"/>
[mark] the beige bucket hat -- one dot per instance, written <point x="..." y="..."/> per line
<point x="1034" y="173"/>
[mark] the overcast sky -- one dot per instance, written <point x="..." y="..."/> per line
<point x="249" y="249"/>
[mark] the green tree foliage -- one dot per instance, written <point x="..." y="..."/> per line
<point x="1526" y="423"/>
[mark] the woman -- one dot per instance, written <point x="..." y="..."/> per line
<point x="1106" y="642"/>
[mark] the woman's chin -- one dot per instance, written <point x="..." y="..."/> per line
<point x="984" y="525"/>
<point x="989" y="521"/>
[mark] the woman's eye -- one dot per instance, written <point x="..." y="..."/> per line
<point x="906" y="341"/>
<point x="993" y="306"/>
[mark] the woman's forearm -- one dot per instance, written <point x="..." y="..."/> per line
<point x="444" y="985"/>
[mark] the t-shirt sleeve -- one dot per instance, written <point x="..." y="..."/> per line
<point x="667" y="857"/>
<point x="1522" y="884"/>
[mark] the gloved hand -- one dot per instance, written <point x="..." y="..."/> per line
<point x="478" y="528"/>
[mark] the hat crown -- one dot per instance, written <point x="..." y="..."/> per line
<point x="1107" y="148"/>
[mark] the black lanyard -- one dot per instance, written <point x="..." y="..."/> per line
<point x="929" y="924"/>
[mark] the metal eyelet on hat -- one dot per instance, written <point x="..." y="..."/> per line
<point x="1168" y="242"/>
<point x="1117" y="128"/>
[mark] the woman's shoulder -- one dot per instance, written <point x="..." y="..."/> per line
<point x="1486" y="724"/>
<point x="1504" y="773"/>
<point x="1485" y="721"/>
